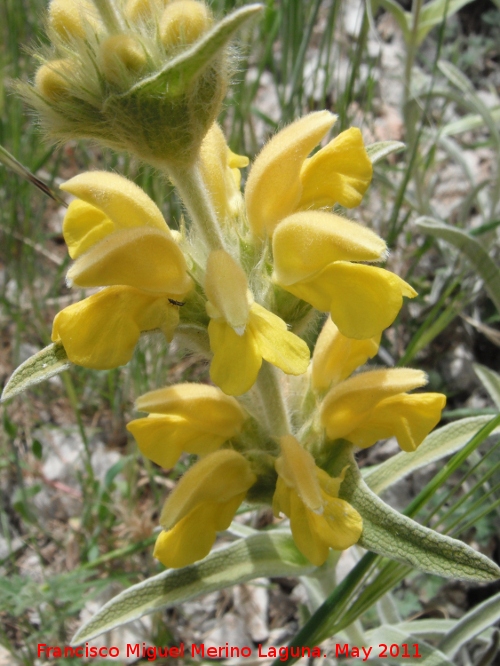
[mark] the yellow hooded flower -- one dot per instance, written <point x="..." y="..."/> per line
<point x="283" y="181"/>
<point x="319" y="520"/>
<point x="313" y="259"/>
<point x="101" y="331"/>
<point x="120" y="241"/>
<point x="195" y="418"/>
<point x="335" y="357"/>
<point x="202" y="504"/>
<point x="220" y="169"/>
<point x="242" y="332"/>
<point x="375" y="405"/>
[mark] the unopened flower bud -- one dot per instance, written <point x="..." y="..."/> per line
<point x="184" y="22"/>
<point x="53" y="81"/>
<point x="66" y="17"/>
<point x="141" y="9"/>
<point x="121" y="56"/>
<point x="220" y="169"/>
<point x="154" y="101"/>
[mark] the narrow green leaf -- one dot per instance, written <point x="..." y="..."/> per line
<point x="455" y="76"/>
<point x="37" y="449"/>
<point x="394" y="535"/>
<point x="472" y="624"/>
<point x="473" y="250"/>
<point x="435" y="12"/>
<point x="456" y="152"/>
<point x="377" y="151"/>
<point x="329" y="619"/>
<point x="38" y="368"/>
<point x="489" y="226"/>
<point x="490" y="380"/>
<point x="458" y="79"/>
<point x="476" y="198"/>
<point x="429" y="629"/>
<point x="388" y="610"/>
<point x="403" y="18"/>
<point x="488" y="656"/>
<point x="265" y="554"/>
<point x="439" y="444"/>
<point x="388" y="636"/>
<point x="469" y="122"/>
<point x="116" y="469"/>
<point x="9" y="427"/>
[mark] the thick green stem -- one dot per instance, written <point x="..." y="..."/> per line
<point x="191" y="188"/>
<point x="273" y="400"/>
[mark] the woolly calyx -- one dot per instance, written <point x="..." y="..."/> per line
<point x="162" y="76"/>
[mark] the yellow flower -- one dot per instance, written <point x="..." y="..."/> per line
<point x="313" y="259"/>
<point x="220" y="168"/>
<point x="319" y="520"/>
<point x="202" y="504"/>
<point x="195" y="418"/>
<point x="335" y="357"/>
<point x="242" y="332"/>
<point x="102" y="331"/>
<point x="375" y="405"/>
<point x="283" y="181"/>
<point x="121" y="241"/>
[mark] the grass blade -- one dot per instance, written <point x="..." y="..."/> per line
<point x="473" y="250"/>
<point x="10" y="162"/>
<point x="443" y="442"/>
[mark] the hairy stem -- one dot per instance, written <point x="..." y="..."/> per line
<point x="109" y="15"/>
<point x="191" y="188"/>
<point x="269" y="387"/>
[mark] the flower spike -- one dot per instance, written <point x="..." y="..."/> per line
<point x="244" y="284"/>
